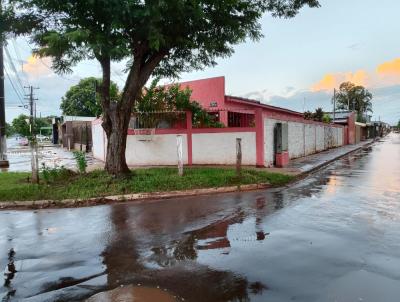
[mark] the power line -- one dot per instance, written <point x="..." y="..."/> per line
<point x="18" y="54"/>
<point x="13" y="86"/>
<point x="11" y="64"/>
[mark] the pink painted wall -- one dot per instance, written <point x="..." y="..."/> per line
<point x="206" y="91"/>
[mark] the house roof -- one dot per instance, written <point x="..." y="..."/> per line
<point x="256" y="103"/>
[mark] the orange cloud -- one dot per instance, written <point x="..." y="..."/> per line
<point x="333" y="80"/>
<point x="328" y="82"/>
<point x="360" y="77"/>
<point x="391" y="68"/>
<point x="385" y="74"/>
<point x="37" y="67"/>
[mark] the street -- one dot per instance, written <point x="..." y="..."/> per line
<point x="333" y="236"/>
<point x="49" y="155"/>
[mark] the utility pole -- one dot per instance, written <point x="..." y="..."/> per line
<point x="334" y="105"/>
<point x="33" y="140"/>
<point x="3" y="143"/>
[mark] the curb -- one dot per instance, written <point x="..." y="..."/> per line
<point x="68" y="203"/>
<point x="328" y="162"/>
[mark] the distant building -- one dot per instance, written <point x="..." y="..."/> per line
<point x="75" y="132"/>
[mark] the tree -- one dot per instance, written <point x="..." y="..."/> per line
<point x="9" y="130"/>
<point x="82" y="99"/>
<point x="157" y="37"/>
<point x="326" y="118"/>
<point x="315" y="116"/>
<point x="20" y="125"/>
<point x="170" y="99"/>
<point x="354" y="98"/>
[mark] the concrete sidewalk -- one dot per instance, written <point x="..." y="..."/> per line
<point x="315" y="161"/>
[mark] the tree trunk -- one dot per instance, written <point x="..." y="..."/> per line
<point x="116" y="142"/>
<point x="116" y="115"/>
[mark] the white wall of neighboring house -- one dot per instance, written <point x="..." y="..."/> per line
<point x="304" y="139"/>
<point x="220" y="148"/>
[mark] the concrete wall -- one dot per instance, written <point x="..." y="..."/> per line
<point x="304" y="138"/>
<point x="296" y="139"/>
<point x="310" y="141"/>
<point x="220" y="148"/>
<point x="358" y="134"/>
<point x="161" y="150"/>
<point x="320" y="138"/>
<point x="99" y="141"/>
<point x="207" y="148"/>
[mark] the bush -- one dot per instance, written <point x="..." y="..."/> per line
<point x="326" y="118"/>
<point x="51" y="175"/>
<point x="81" y="161"/>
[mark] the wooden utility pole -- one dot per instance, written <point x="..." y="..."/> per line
<point x="334" y="105"/>
<point x="33" y="140"/>
<point x="3" y="143"/>
<point x="239" y="157"/>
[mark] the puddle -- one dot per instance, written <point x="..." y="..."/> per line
<point x="133" y="294"/>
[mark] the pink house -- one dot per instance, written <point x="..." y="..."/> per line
<point x="270" y="135"/>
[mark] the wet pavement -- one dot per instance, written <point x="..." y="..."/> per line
<point x="50" y="155"/>
<point x="332" y="237"/>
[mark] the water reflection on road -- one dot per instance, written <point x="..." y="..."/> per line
<point x="332" y="237"/>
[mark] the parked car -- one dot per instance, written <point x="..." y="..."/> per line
<point x="23" y="141"/>
<point x="42" y="138"/>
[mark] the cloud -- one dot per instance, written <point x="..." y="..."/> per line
<point x="385" y="102"/>
<point x="333" y="80"/>
<point x="391" y="68"/>
<point x="354" y="46"/>
<point x="386" y="74"/>
<point x="35" y="67"/>
<point x="266" y="95"/>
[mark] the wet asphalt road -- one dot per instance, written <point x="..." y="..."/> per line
<point x="333" y="237"/>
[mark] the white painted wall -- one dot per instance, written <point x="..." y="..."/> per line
<point x="162" y="150"/>
<point x="320" y="138"/>
<point x="99" y="141"/>
<point x="296" y="139"/>
<point x="310" y="141"/>
<point x="304" y="139"/>
<point x="208" y="148"/>
<point x="269" y="125"/>
<point x="220" y="148"/>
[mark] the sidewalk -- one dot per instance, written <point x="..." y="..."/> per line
<point x="312" y="162"/>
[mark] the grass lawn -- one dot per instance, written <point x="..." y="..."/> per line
<point x="14" y="186"/>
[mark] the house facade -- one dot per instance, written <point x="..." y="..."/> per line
<point x="271" y="136"/>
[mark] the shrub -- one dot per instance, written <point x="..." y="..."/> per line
<point x="81" y="161"/>
<point x="326" y="118"/>
<point x="51" y="175"/>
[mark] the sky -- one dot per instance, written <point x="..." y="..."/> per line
<point x="296" y="65"/>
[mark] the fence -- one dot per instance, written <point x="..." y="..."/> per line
<point x="82" y="136"/>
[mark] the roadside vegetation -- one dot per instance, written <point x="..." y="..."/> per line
<point x="64" y="184"/>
